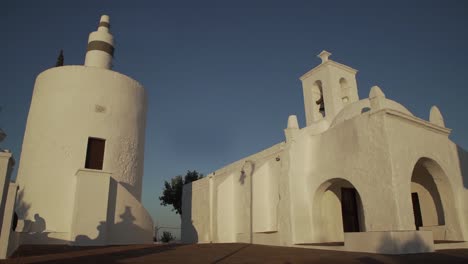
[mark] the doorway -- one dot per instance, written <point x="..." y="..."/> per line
<point x="95" y="153"/>
<point x="349" y="210"/>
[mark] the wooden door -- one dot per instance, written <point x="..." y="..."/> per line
<point x="349" y="210"/>
<point x="95" y="153"/>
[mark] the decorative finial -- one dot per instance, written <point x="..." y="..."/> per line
<point x="435" y="116"/>
<point x="376" y="98"/>
<point x="292" y="122"/>
<point x="324" y="55"/>
<point x="375" y="91"/>
<point x="100" y="49"/>
<point x="104" y="22"/>
<point x="60" y="59"/>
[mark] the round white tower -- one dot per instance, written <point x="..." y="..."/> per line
<point x="81" y="117"/>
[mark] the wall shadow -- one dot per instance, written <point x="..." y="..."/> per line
<point x="35" y="231"/>
<point x="188" y="232"/>
<point x="463" y="161"/>
<point x="413" y="245"/>
<point x="21" y="207"/>
<point x="123" y="232"/>
<point x="26" y="231"/>
<point x="43" y="249"/>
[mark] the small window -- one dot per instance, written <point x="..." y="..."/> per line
<point x="344" y="90"/>
<point x="95" y="153"/>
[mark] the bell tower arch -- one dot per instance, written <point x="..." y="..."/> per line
<point x="328" y="88"/>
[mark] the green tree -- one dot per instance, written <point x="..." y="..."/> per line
<point x="172" y="193"/>
<point x="60" y="59"/>
<point x="167" y="237"/>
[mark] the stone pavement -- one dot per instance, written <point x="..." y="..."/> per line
<point x="218" y="253"/>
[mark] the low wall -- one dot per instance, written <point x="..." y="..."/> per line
<point x="439" y="232"/>
<point x="106" y="213"/>
<point x="8" y="239"/>
<point x="131" y="223"/>
<point x="390" y="242"/>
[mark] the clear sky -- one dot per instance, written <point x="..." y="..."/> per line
<point x="222" y="76"/>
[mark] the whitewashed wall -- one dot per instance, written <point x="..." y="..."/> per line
<point x="70" y="104"/>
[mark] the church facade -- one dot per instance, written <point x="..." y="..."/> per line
<point x="363" y="175"/>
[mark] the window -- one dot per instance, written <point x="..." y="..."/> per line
<point x="344" y="90"/>
<point x="95" y="153"/>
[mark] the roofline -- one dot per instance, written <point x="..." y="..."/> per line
<point x="329" y="62"/>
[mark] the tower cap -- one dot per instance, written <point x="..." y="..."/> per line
<point x="324" y="55"/>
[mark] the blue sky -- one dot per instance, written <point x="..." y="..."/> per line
<point x="222" y="77"/>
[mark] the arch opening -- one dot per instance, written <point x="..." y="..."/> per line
<point x="344" y="90"/>
<point x="428" y="208"/>
<point x="433" y="201"/>
<point x="319" y="104"/>
<point x="337" y="209"/>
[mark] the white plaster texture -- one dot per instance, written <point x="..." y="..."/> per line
<point x="69" y="105"/>
<point x="6" y="166"/>
<point x="6" y="248"/>
<point x="91" y="207"/>
<point x="291" y="194"/>
<point x="61" y="118"/>
<point x="99" y="58"/>
<point x="391" y="242"/>
<point x="105" y="213"/>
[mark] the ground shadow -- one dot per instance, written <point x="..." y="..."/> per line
<point x="89" y="254"/>
<point x="235" y="253"/>
<point x="231" y="254"/>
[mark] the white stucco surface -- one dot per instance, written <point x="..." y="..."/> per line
<point x="400" y="242"/>
<point x="6" y="166"/>
<point x="99" y="58"/>
<point x="63" y="114"/>
<point x="59" y="200"/>
<point x="132" y="224"/>
<point x="292" y="193"/>
<point x="6" y="248"/>
<point x="90" y="209"/>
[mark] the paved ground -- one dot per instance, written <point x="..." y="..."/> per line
<point x="219" y="253"/>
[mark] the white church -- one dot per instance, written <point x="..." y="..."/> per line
<point x="80" y="173"/>
<point x="363" y="175"/>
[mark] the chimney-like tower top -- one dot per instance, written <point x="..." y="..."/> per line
<point x="100" y="49"/>
<point x="324" y="55"/>
<point x="104" y="23"/>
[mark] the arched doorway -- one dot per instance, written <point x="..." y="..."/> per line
<point x="337" y="209"/>
<point x="432" y="199"/>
